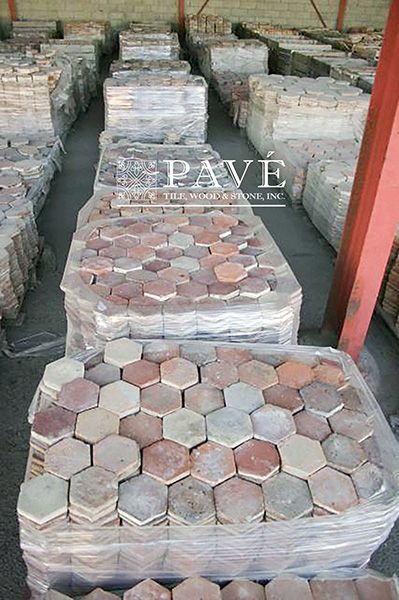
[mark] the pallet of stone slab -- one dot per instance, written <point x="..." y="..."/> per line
<point x="258" y="459"/>
<point x="157" y="108"/>
<point x="121" y="68"/>
<point x="209" y="276"/>
<point x="203" y="23"/>
<point x="92" y="31"/>
<point x="233" y="91"/>
<point x="297" y="154"/>
<point x="107" y="204"/>
<point x="77" y="48"/>
<point x="282" y="108"/>
<point x="148" y="46"/>
<point x="302" y="59"/>
<point x="241" y="56"/>
<point x="34" y="29"/>
<point x="196" y="41"/>
<point x="364" y="44"/>
<point x="389" y="298"/>
<point x="123" y="162"/>
<point x="354" y="584"/>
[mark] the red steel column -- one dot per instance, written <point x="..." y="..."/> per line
<point x="181" y="16"/>
<point x="373" y="213"/>
<point x="12" y="9"/>
<point x="341" y="15"/>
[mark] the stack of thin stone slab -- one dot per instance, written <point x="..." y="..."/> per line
<point x="364" y="44"/>
<point x="34" y="30"/>
<point x="210" y="276"/>
<point x="93" y="31"/>
<point x="359" y="585"/>
<point x="148" y="46"/>
<point x="239" y="56"/>
<point x="390" y="295"/>
<point x="248" y="452"/>
<point x="212" y="24"/>
<point x="157" y="108"/>
<point x="356" y="71"/>
<point x="284" y="108"/>
<point x="233" y="92"/>
<point x="120" y="68"/>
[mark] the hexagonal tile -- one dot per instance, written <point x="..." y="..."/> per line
<point x="220" y="374"/>
<point x="95" y="424"/>
<point x="67" y="457"/>
<point x="191" y="503"/>
<point x="53" y="424"/>
<point x="351" y="399"/>
<point x="288" y="587"/>
<point x="187" y="263"/>
<point x="148" y="590"/>
<point x="166" y="461"/>
<point x="142" y="373"/>
<point x="193" y="291"/>
<point x="117" y="454"/>
<point x="374" y="585"/>
<point x="200" y="355"/>
<point x="93" y="490"/>
<point x="244" y="397"/>
<point x="256" y="460"/>
<point x="160" y="351"/>
<point x="343" y="453"/>
<point x="286" y="497"/>
<point x="157" y="265"/>
<point x="62" y="371"/>
<point x="272" y="424"/>
<point x="312" y="426"/>
<point x="179" y="373"/>
<point x="120" y="398"/>
<point x="238" y="501"/>
<point x="332" y="490"/>
<point x="301" y="456"/>
<point x="331" y="373"/>
<point x="174" y="276"/>
<point x="333" y="588"/>
<point x="229" y="427"/>
<point x="43" y="499"/>
<point x="160" y="400"/>
<point x="159" y="289"/>
<point x="142" y="500"/>
<point x="243" y="590"/>
<point x="126" y="265"/>
<point x="185" y="427"/>
<point x="295" y="374"/>
<point x="212" y="463"/>
<point x="223" y="291"/>
<point x="224" y="249"/>
<point x="103" y="373"/>
<point x="203" y="398"/>
<point x="258" y="374"/>
<point x="142" y="428"/>
<point x="122" y="352"/>
<point x="154" y="240"/>
<point x="99" y="594"/>
<point x="284" y="397"/>
<point x="353" y="424"/>
<point x="142" y="253"/>
<point x="321" y="399"/>
<point x="229" y="272"/>
<point x="196" y="588"/>
<point x="368" y="480"/>
<point x="181" y="240"/>
<point x="78" y="395"/>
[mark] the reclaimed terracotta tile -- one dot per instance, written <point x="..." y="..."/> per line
<point x="62" y="371"/>
<point x="352" y="424"/>
<point x="53" y="424"/>
<point x="142" y="428"/>
<point x="102" y="374"/>
<point x="295" y="374"/>
<point x="96" y="424"/>
<point x="332" y="490"/>
<point x="196" y="588"/>
<point x="258" y="374"/>
<point x="161" y="351"/>
<point x="343" y="453"/>
<point x="191" y="503"/>
<point x="78" y="395"/>
<point x="368" y="480"/>
<point x="272" y="424"/>
<point x="321" y="399"/>
<point x="312" y="426"/>
<point x="229" y="427"/>
<point x="185" y="427"/>
<point x="330" y="589"/>
<point x="212" y="463"/>
<point x="92" y="491"/>
<point x="301" y="456"/>
<point x="160" y="400"/>
<point x="179" y="373"/>
<point x="117" y="454"/>
<point x="286" y="497"/>
<point x="234" y="356"/>
<point x="203" y="398"/>
<point x="256" y="460"/>
<point x="148" y="590"/>
<point x="220" y="374"/>
<point x="244" y="397"/>
<point x="142" y="373"/>
<point x="122" y="352"/>
<point x="166" y="461"/>
<point x="243" y="590"/>
<point x="120" y="398"/>
<point x="329" y="373"/>
<point x="43" y="498"/>
<point x="67" y="457"/>
<point x="238" y="501"/>
<point x="372" y="586"/>
<point x="284" y="397"/>
<point x="142" y="500"/>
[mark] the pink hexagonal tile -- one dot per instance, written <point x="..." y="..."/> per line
<point x="295" y="374"/>
<point x="312" y="426"/>
<point x="257" y="460"/>
<point x="203" y="398"/>
<point x="142" y="373"/>
<point x="179" y="373"/>
<point x="238" y="501"/>
<point x="288" y="587"/>
<point x="284" y="397"/>
<point x="53" y="424"/>
<point x="95" y="424"/>
<point x="159" y="289"/>
<point x="258" y="374"/>
<point x="166" y="461"/>
<point x="78" y="395"/>
<point x="272" y="424"/>
<point x="219" y="374"/>
<point x="67" y="457"/>
<point x="160" y="400"/>
<point x="332" y="490"/>
<point x="243" y="590"/>
<point x="174" y="275"/>
<point x="212" y="463"/>
<point x="117" y="454"/>
<point x="142" y="428"/>
<point x="355" y="425"/>
<point x="148" y="590"/>
<point x="230" y="272"/>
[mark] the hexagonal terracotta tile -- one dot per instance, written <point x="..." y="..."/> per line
<point x="229" y="272"/>
<point x="332" y="490"/>
<point x="43" y="499"/>
<point x="243" y="590"/>
<point x="301" y="456"/>
<point x="62" y="371"/>
<point x="53" y="424"/>
<point x="67" y="457"/>
<point x="353" y="424"/>
<point x="142" y="428"/>
<point x="196" y="588"/>
<point x="166" y="461"/>
<point x="243" y="396"/>
<point x="256" y="460"/>
<point x="200" y="355"/>
<point x="351" y="399"/>
<point x="212" y="463"/>
<point x="179" y="373"/>
<point x="193" y="290"/>
<point x="160" y="400"/>
<point x="330" y="373"/>
<point x="229" y="427"/>
<point x="233" y="355"/>
<point x="122" y="352"/>
<point x="78" y="395"/>
<point x="272" y="424"/>
<point x="103" y="373"/>
<point x="185" y="427"/>
<point x="258" y="374"/>
<point x="220" y="374"/>
<point x="343" y="453"/>
<point x="142" y="373"/>
<point x="312" y="426"/>
<point x="238" y="501"/>
<point x="288" y="587"/>
<point x="321" y="399"/>
<point x="159" y="289"/>
<point x="161" y="350"/>
<point x="95" y="424"/>
<point x="142" y="500"/>
<point x="224" y="249"/>
<point x="120" y="398"/>
<point x="333" y="588"/>
<point x="148" y="590"/>
<point x="191" y="503"/>
<point x="368" y="480"/>
<point x="284" y="397"/>
<point x="295" y="374"/>
<point x="374" y="585"/>
<point x="117" y="454"/>
<point x="203" y="398"/>
<point x="286" y="497"/>
<point x="92" y="490"/>
<point x="174" y="276"/>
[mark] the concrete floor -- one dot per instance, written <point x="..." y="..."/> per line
<point x="309" y="255"/>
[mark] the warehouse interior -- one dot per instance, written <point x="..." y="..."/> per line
<point x="235" y="75"/>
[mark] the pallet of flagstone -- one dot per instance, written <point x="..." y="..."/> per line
<point x="92" y="31"/>
<point x="250" y="453"/>
<point x="148" y="46"/>
<point x="206" y="276"/>
<point x="211" y="24"/>
<point x="240" y="56"/>
<point x="157" y="108"/>
<point x="140" y="67"/>
<point x="195" y="41"/>
<point x="34" y="29"/>
<point x="233" y="91"/>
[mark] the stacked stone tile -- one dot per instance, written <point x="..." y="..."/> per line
<point x="247" y="452"/>
<point x="233" y="92"/>
<point x="120" y="68"/>
<point x="93" y="31"/>
<point x="357" y="585"/>
<point x="240" y="56"/>
<point x="157" y="108"/>
<point x="34" y="29"/>
<point x="211" y="24"/>
<point x="148" y="45"/>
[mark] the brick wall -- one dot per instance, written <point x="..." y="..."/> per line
<point x="284" y="12"/>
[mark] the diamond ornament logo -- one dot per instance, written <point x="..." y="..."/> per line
<point x="136" y="179"/>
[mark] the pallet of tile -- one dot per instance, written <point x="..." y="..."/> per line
<point x="299" y="153"/>
<point x="148" y="46"/>
<point x="389" y="296"/>
<point x="364" y="44"/>
<point x="212" y="24"/>
<point x="121" y="68"/>
<point x="282" y="108"/>
<point x="195" y="41"/>
<point x="204" y="276"/>
<point x="233" y="91"/>
<point x="250" y="454"/>
<point x="34" y="29"/>
<point x="91" y="31"/>
<point x="241" y="56"/>
<point x="302" y="59"/>
<point x="157" y="108"/>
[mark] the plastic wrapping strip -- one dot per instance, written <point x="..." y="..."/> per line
<point x="120" y="156"/>
<point x="272" y="316"/>
<point x="157" y="109"/>
<point x="121" y="68"/>
<point x="106" y="204"/>
<point x="79" y="556"/>
<point x="241" y="56"/>
<point x="148" y="46"/>
<point x="77" y="48"/>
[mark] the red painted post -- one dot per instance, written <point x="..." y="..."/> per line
<point x="373" y="213"/>
<point x="12" y="9"/>
<point x="341" y="15"/>
<point x="181" y="16"/>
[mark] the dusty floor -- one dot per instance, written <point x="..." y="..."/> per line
<point x="309" y="255"/>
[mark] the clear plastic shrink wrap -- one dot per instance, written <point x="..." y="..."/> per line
<point x="148" y="46"/>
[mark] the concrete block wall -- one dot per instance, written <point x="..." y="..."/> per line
<point x="290" y="13"/>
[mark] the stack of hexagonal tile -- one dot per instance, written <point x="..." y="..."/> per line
<point x="170" y="442"/>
